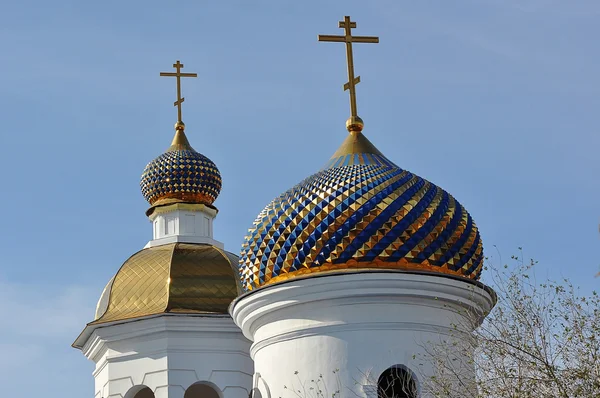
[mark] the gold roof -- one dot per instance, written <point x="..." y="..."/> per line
<point x="356" y="142"/>
<point x="180" y="141"/>
<point x="177" y="277"/>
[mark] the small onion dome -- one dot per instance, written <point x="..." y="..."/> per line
<point x="172" y="278"/>
<point x="181" y="175"/>
<point x="360" y="212"/>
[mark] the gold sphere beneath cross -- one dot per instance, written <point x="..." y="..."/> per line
<point x="180" y="125"/>
<point x="354" y="123"/>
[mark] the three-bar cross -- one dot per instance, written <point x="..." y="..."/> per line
<point x="178" y="66"/>
<point x="347" y="25"/>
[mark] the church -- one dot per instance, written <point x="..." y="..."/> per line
<point x="339" y="286"/>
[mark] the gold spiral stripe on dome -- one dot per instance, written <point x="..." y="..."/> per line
<point x="458" y="232"/>
<point x="332" y="228"/>
<point x="342" y="218"/>
<point x="471" y="260"/>
<point x="374" y="212"/>
<point x="339" y="221"/>
<point x="442" y="225"/>
<point x="398" y="215"/>
<point x="447" y="220"/>
<point x="466" y="247"/>
<point x="291" y="255"/>
<point x="431" y="236"/>
<point x="464" y="250"/>
<point x="457" y="236"/>
<point x="319" y="216"/>
<point x="414" y="227"/>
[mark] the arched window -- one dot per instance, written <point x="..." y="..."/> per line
<point x="139" y="392"/>
<point x="201" y="390"/>
<point x="144" y="393"/>
<point x="397" y="382"/>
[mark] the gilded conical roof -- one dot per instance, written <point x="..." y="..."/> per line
<point x="360" y="212"/>
<point x="171" y="278"/>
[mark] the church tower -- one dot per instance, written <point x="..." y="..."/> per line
<point x="161" y="327"/>
<point x="350" y="276"/>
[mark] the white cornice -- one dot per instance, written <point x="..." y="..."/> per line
<point x="184" y="239"/>
<point x="279" y="301"/>
<point x="94" y="338"/>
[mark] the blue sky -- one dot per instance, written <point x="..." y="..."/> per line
<point x="496" y="101"/>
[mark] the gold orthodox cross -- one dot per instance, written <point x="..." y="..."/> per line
<point x="178" y="66"/>
<point x="347" y="25"/>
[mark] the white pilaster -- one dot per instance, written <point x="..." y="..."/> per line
<point x="359" y="323"/>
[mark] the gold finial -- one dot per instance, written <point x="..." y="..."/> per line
<point x="354" y="123"/>
<point x="180" y="141"/>
<point x="178" y="66"/>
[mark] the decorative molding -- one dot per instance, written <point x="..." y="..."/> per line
<point x="197" y="207"/>
<point x="185" y="239"/>
<point x="326" y="329"/>
<point x="90" y="340"/>
<point x="261" y="307"/>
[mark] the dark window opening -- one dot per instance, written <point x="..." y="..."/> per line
<point x="396" y="382"/>
<point x="200" y="390"/>
<point x="144" y="393"/>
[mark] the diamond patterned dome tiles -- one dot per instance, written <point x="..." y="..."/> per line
<point x="181" y="174"/>
<point x="360" y="212"/>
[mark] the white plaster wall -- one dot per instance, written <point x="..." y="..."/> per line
<point x="168" y="353"/>
<point x="359" y="323"/>
<point x="182" y="222"/>
<point x="177" y="225"/>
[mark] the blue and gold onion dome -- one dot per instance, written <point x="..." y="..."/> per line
<point x="181" y="175"/>
<point x="360" y="212"/>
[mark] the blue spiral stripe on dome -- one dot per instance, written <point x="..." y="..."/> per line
<point x="386" y="214"/>
<point x="476" y="267"/>
<point x="355" y="218"/>
<point x="425" y="230"/>
<point x="296" y="194"/>
<point x="351" y="249"/>
<point x="274" y="217"/>
<point x="458" y="245"/>
<point x="312" y="214"/>
<point x="408" y="220"/>
<point x="430" y="225"/>
<point x="443" y="237"/>
<point x="337" y="237"/>
<point x="463" y="260"/>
